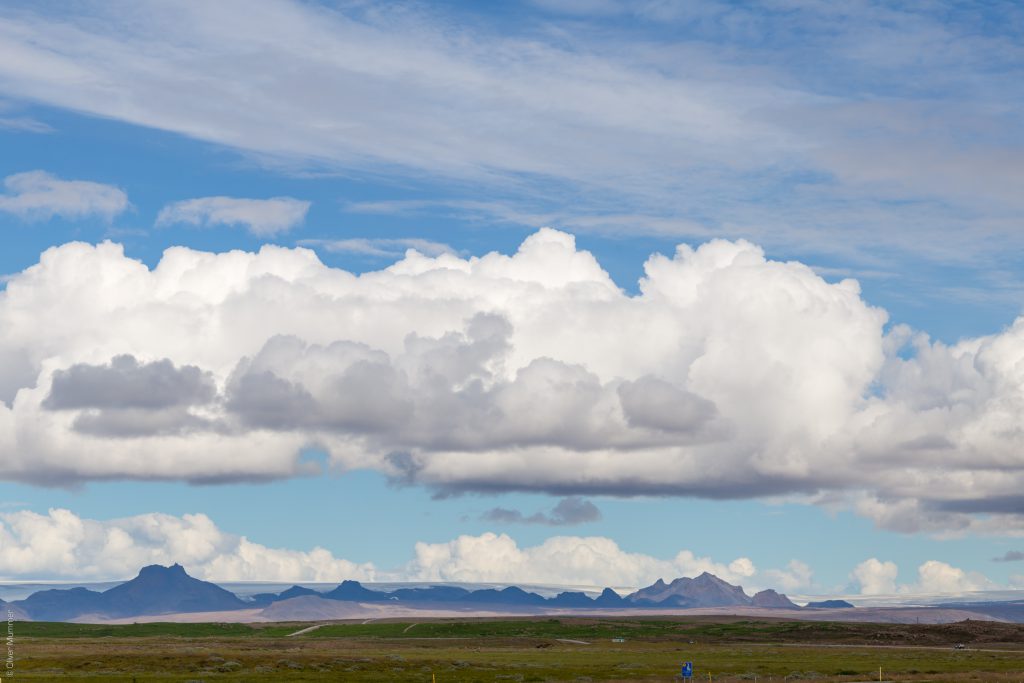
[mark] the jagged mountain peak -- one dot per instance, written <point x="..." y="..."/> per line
<point x="704" y="590"/>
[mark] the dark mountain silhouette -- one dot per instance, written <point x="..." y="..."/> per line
<point x="355" y="592"/>
<point x="770" y="598"/>
<point x="296" y="591"/>
<point x="156" y="590"/>
<point x="571" y="599"/>
<point x="163" y="590"/>
<point x="59" y="605"/>
<point x="513" y="595"/>
<point x="706" y="590"/>
<point x="830" y="604"/>
<point x="609" y="598"/>
<point x="264" y="599"/>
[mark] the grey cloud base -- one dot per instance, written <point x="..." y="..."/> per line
<point x="567" y="512"/>
<point x="125" y="383"/>
<point x="729" y="375"/>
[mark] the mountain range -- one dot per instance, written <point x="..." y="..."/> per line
<point x="170" y="590"/>
<point x="706" y="590"/>
<point x="170" y="594"/>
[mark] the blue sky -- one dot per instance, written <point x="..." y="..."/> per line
<point x="874" y="141"/>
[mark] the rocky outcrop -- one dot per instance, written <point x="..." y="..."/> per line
<point x="770" y="598"/>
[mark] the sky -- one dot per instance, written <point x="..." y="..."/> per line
<point x="576" y="292"/>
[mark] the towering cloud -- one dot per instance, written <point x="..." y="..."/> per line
<point x="728" y="375"/>
<point x="875" y="577"/>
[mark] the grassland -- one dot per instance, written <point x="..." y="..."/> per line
<point x="520" y="650"/>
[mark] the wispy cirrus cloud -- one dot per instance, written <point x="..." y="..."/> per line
<point x="261" y="217"/>
<point x="729" y="127"/>
<point x="24" y="124"/>
<point x="38" y="195"/>
<point x="379" y="247"/>
<point x="13" y="121"/>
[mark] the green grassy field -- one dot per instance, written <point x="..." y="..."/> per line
<point x="520" y="650"/>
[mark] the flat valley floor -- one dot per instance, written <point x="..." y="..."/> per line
<point x="530" y="649"/>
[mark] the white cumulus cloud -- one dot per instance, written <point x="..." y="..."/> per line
<point x="261" y="217"/>
<point x="797" y="576"/>
<point x="38" y="195"/>
<point x="876" y="577"/>
<point x="728" y="375"/>
<point x="565" y="560"/>
<point x="940" y="577"/>
<point x="60" y="544"/>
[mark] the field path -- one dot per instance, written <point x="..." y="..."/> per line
<point x="406" y="629"/>
<point x="572" y="642"/>
<point x="305" y="630"/>
<point x="941" y="648"/>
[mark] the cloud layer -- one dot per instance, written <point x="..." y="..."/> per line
<point x="61" y="544"/>
<point x="729" y="375"/>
